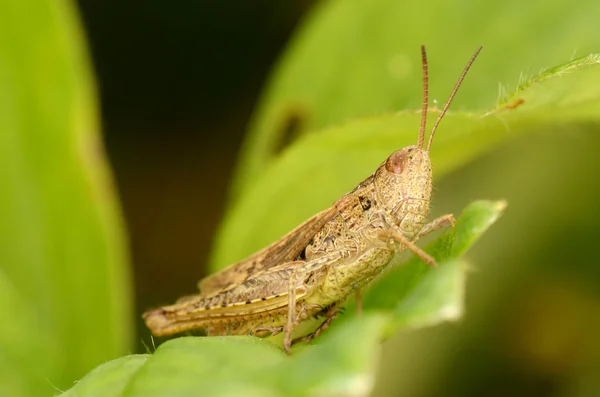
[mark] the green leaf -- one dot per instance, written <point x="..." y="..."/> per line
<point x="65" y="304"/>
<point x="108" y="379"/>
<point x="356" y="58"/>
<point x="226" y="366"/>
<point x="341" y="362"/>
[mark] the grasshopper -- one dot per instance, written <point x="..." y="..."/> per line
<point x="312" y="270"/>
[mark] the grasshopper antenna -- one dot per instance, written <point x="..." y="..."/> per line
<point x="447" y="105"/>
<point x="425" y="98"/>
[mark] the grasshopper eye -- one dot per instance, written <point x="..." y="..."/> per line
<point x="396" y="163"/>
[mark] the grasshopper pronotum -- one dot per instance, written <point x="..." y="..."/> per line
<point x="313" y="269"/>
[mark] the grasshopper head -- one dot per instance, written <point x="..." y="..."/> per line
<point x="403" y="182"/>
<point x="404" y="188"/>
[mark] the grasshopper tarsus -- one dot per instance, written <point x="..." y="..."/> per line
<point x="266" y="331"/>
<point x="313" y="269"/>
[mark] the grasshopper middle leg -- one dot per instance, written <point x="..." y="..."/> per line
<point x="292" y="322"/>
<point x="331" y="313"/>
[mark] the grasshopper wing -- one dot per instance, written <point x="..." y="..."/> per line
<point x="281" y="251"/>
<point x="257" y="302"/>
<point x="248" y="302"/>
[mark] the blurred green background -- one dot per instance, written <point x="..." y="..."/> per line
<point x="173" y="86"/>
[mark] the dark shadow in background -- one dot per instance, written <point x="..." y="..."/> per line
<point x="177" y="84"/>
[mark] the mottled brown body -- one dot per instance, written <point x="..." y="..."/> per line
<point x="312" y="270"/>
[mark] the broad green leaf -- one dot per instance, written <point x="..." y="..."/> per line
<point x="356" y="58"/>
<point x="340" y="362"/>
<point x="64" y="289"/>
<point x="227" y="366"/>
<point x="108" y="379"/>
<point x="320" y="168"/>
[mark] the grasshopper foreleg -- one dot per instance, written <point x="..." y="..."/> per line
<point x="437" y="223"/>
<point x="399" y="237"/>
<point x="392" y="233"/>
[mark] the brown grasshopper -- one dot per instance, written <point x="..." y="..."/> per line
<point x="312" y="270"/>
